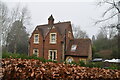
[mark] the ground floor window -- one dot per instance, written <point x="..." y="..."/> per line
<point x="35" y="52"/>
<point x="52" y="54"/>
<point x="69" y="59"/>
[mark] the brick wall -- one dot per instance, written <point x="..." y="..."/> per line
<point x="33" y="45"/>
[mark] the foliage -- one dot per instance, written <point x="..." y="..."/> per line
<point x="95" y="64"/>
<point x="13" y="24"/>
<point x="93" y="51"/>
<point x="24" y="56"/>
<point x="113" y="8"/>
<point x="73" y="63"/>
<point x="13" y="55"/>
<point x="23" y="69"/>
<point x="17" y="39"/>
<point x="105" y="41"/>
<point x="97" y="55"/>
<point x="81" y="63"/>
<point x="99" y="65"/>
<point x="115" y="53"/>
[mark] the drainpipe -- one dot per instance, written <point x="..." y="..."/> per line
<point x="65" y="45"/>
<point x="43" y="47"/>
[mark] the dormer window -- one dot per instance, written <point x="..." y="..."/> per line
<point x="73" y="47"/>
<point x="53" y="38"/>
<point x="36" y="38"/>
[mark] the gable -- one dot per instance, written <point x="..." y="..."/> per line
<point x="60" y="27"/>
<point x="36" y="31"/>
<point x="53" y="30"/>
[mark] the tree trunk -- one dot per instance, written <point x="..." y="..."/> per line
<point x="118" y="43"/>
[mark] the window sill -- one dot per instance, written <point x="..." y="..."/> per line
<point x="36" y="42"/>
<point x="52" y="42"/>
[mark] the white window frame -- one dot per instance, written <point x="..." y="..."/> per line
<point x="73" y="47"/>
<point x="51" y="42"/>
<point x="69" y="34"/>
<point x="35" y="40"/>
<point x="37" y="51"/>
<point x="52" y="55"/>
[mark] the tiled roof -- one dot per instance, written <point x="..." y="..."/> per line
<point x="83" y="47"/>
<point x="61" y="26"/>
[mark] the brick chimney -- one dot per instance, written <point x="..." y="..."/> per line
<point x="50" y="20"/>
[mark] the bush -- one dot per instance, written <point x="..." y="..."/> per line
<point x="74" y="63"/>
<point x="13" y="55"/>
<point x="113" y="66"/>
<point x="97" y="55"/>
<point x="94" y="64"/>
<point x="23" y="56"/>
<point x="82" y="63"/>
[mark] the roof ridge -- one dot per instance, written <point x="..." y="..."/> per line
<point x="54" y="23"/>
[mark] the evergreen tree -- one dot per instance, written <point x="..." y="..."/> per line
<point x="17" y="40"/>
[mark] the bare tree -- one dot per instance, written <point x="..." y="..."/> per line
<point x="114" y="9"/>
<point x="19" y="19"/>
<point x="4" y="21"/>
<point x="108" y="32"/>
<point x="78" y="33"/>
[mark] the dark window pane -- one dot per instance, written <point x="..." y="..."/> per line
<point x="50" y="54"/>
<point x="54" y="55"/>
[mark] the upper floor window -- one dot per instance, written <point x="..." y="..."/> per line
<point x="53" y="38"/>
<point x="52" y="54"/>
<point x="69" y="34"/>
<point x="36" y="38"/>
<point x="73" y="47"/>
<point x="35" y="52"/>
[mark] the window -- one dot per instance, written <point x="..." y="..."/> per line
<point x="69" y="59"/>
<point x="69" y="34"/>
<point x="53" y="38"/>
<point x="73" y="47"/>
<point x="52" y="54"/>
<point x="36" y="38"/>
<point x="35" y="52"/>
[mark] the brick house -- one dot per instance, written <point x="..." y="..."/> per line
<point x="54" y="41"/>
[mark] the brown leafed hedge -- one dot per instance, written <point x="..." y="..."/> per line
<point x="31" y="69"/>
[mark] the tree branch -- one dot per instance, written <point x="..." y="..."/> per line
<point x="110" y="8"/>
<point x="99" y="21"/>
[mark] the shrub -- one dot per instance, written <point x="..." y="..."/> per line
<point x="94" y="64"/>
<point x="22" y="56"/>
<point x="113" y="66"/>
<point x="82" y="63"/>
<point x="74" y="63"/>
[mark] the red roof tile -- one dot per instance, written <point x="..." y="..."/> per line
<point x="44" y="29"/>
<point x="83" y="47"/>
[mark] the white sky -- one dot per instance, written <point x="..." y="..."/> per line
<point x="79" y="12"/>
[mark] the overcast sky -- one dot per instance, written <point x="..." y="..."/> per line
<point x="80" y="13"/>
